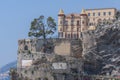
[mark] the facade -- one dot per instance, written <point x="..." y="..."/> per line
<point x="97" y="15"/>
<point x="71" y="25"/>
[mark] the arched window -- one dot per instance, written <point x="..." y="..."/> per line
<point x="72" y="19"/>
<point x="83" y="22"/>
<point x="89" y="24"/>
<point x="66" y="22"/>
<point x="26" y="47"/>
<point x="109" y="13"/>
<point x="61" y="22"/>
<point x="78" y="23"/>
<point x="104" y="19"/>
<point x="88" y="14"/>
<point x="99" y="14"/>
<point x="104" y="13"/>
<point x="99" y="20"/>
<point x="93" y="14"/>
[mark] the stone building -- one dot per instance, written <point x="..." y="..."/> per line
<point x="71" y="25"/>
<point x="62" y="60"/>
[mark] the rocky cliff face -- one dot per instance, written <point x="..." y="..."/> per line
<point x="106" y="51"/>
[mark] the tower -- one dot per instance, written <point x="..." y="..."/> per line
<point x="84" y="21"/>
<point x="61" y="18"/>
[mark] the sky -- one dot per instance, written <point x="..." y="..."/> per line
<point x="16" y="16"/>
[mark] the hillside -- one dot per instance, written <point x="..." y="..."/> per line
<point x="106" y="52"/>
<point x="4" y="71"/>
<point x="8" y="66"/>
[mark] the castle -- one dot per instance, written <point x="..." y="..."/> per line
<point x="71" y="25"/>
<point x="63" y="57"/>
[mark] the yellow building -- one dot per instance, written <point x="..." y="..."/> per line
<point x="71" y="25"/>
<point x="97" y="15"/>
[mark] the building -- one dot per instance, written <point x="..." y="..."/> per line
<point x="71" y="25"/>
<point x="97" y="15"/>
<point x="62" y="59"/>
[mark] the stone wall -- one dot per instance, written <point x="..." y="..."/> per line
<point x="57" y="46"/>
<point x="65" y="52"/>
<point x="63" y="47"/>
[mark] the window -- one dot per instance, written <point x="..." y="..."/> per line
<point x="68" y="35"/>
<point x="72" y="19"/>
<point x="109" y="13"/>
<point x="93" y="14"/>
<point x="93" y="19"/>
<point x="27" y="42"/>
<point x="83" y="22"/>
<point x="72" y="16"/>
<point x="88" y="14"/>
<point x="104" y="19"/>
<point x="72" y="22"/>
<point x="81" y="35"/>
<point x="60" y="22"/>
<point x="77" y="23"/>
<point x="60" y="29"/>
<point x="88" y="19"/>
<point x="66" y="27"/>
<point x="75" y="36"/>
<point x="66" y="23"/>
<point x="32" y="72"/>
<point x="60" y="34"/>
<point x="104" y="13"/>
<point x="99" y="14"/>
<point x="77" y="29"/>
<point x="89" y="24"/>
<point x="26" y="47"/>
<point x="99" y="20"/>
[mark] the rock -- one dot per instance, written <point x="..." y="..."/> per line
<point x="106" y="51"/>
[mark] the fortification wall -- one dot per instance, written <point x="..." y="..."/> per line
<point x="30" y="53"/>
<point x="57" y="46"/>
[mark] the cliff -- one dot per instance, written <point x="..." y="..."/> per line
<point x="106" y="51"/>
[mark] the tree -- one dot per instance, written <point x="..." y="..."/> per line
<point x="41" y="28"/>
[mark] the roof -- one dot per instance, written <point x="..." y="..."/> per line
<point x="100" y="9"/>
<point x="61" y="11"/>
<point x="74" y="14"/>
<point x="83" y="11"/>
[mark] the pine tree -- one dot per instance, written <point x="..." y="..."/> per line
<point x="41" y="28"/>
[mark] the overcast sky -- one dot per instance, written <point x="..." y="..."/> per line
<point x="16" y="16"/>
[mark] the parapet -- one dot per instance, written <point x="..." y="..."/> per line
<point x="58" y="46"/>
